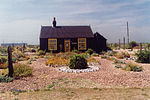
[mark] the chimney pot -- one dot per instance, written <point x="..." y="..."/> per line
<point x="54" y="22"/>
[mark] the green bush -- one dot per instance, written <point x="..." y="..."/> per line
<point x="143" y="56"/>
<point x="86" y="55"/>
<point x="111" y="53"/>
<point x="3" y="60"/>
<point x="89" y="51"/>
<point x="22" y="70"/>
<point x="65" y="55"/>
<point x="14" y="60"/>
<point x="75" y="51"/>
<point x="95" y="54"/>
<point x="41" y="52"/>
<point x="133" y="67"/>
<point x="132" y="44"/>
<point x="118" y="66"/>
<point x="5" y="79"/>
<point x="3" y="50"/>
<point x="78" y="62"/>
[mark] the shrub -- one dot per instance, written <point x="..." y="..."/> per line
<point x="14" y="59"/>
<point x="3" y="50"/>
<point x="22" y="70"/>
<point x="118" y="66"/>
<point x="133" y="67"/>
<point x="77" y="62"/>
<point x="148" y="45"/>
<point x="116" y="61"/>
<point x="91" y="60"/>
<point x="5" y="79"/>
<point x="132" y="44"/>
<point x="30" y="60"/>
<point x="65" y="55"/>
<point x="110" y="58"/>
<point x="75" y="51"/>
<point x="19" y="56"/>
<point x="119" y="55"/>
<point x="119" y="62"/>
<point x="41" y="52"/>
<point x="3" y="60"/>
<point x="126" y="54"/>
<point x="4" y="66"/>
<point x="143" y="56"/>
<point x="95" y="54"/>
<point x="103" y="52"/>
<point x="33" y="50"/>
<point x="86" y="55"/>
<point x="53" y="61"/>
<point x="89" y="51"/>
<point x="103" y="56"/>
<point x="111" y="53"/>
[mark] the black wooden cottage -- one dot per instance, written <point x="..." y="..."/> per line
<point x="67" y="38"/>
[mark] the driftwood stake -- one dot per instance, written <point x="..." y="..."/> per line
<point x="141" y="47"/>
<point x="10" y="64"/>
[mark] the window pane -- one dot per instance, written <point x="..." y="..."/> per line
<point x="52" y="44"/>
<point x="82" y="44"/>
<point x="81" y="40"/>
<point x="52" y="41"/>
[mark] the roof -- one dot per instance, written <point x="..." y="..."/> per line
<point x="66" y="32"/>
<point x="98" y="35"/>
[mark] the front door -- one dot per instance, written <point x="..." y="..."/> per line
<point x="67" y="45"/>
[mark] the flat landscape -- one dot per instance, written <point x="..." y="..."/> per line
<point x="46" y="82"/>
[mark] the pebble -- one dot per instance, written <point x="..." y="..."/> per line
<point x="68" y="70"/>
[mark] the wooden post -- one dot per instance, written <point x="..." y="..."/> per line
<point x="119" y="43"/>
<point x="10" y="64"/>
<point x="128" y="32"/>
<point x="141" y="47"/>
<point x="23" y="47"/>
<point x="123" y="42"/>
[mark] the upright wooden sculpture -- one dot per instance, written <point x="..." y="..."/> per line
<point x="10" y="63"/>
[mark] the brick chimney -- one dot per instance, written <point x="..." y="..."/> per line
<point x="54" y="22"/>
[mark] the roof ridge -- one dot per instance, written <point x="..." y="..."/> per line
<point x="68" y="26"/>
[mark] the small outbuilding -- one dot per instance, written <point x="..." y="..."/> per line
<point x="67" y="38"/>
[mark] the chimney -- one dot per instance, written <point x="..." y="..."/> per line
<point x="54" y="22"/>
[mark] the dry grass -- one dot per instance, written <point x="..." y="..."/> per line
<point x="81" y="94"/>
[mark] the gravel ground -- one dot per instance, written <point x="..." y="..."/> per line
<point x="107" y="76"/>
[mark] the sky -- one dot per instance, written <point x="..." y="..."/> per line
<point x="21" y="20"/>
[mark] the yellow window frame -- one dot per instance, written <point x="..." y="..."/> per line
<point x="82" y="42"/>
<point x="52" y="43"/>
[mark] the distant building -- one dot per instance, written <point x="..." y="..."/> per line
<point x="13" y="44"/>
<point x="67" y="38"/>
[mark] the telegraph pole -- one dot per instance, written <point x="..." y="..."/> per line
<point x="119" y="43"/>
<point x="127" y="33"/>
<point x="124" y="43"/>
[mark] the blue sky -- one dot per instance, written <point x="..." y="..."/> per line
<point x="21" y="20"/>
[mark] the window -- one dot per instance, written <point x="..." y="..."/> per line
<point x="81" y="43"/>
<point x="52" y="44"/>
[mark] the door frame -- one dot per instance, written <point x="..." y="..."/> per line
<point x="66" y="40"/>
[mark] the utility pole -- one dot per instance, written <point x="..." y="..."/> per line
<point x="128" y="32"/>
<point x="119" y="43"/>
<point x="123" y="42"/>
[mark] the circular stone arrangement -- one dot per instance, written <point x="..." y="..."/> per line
<point x="68" y="70"/>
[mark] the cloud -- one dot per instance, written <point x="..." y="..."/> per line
<point x="23" y="18"/>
